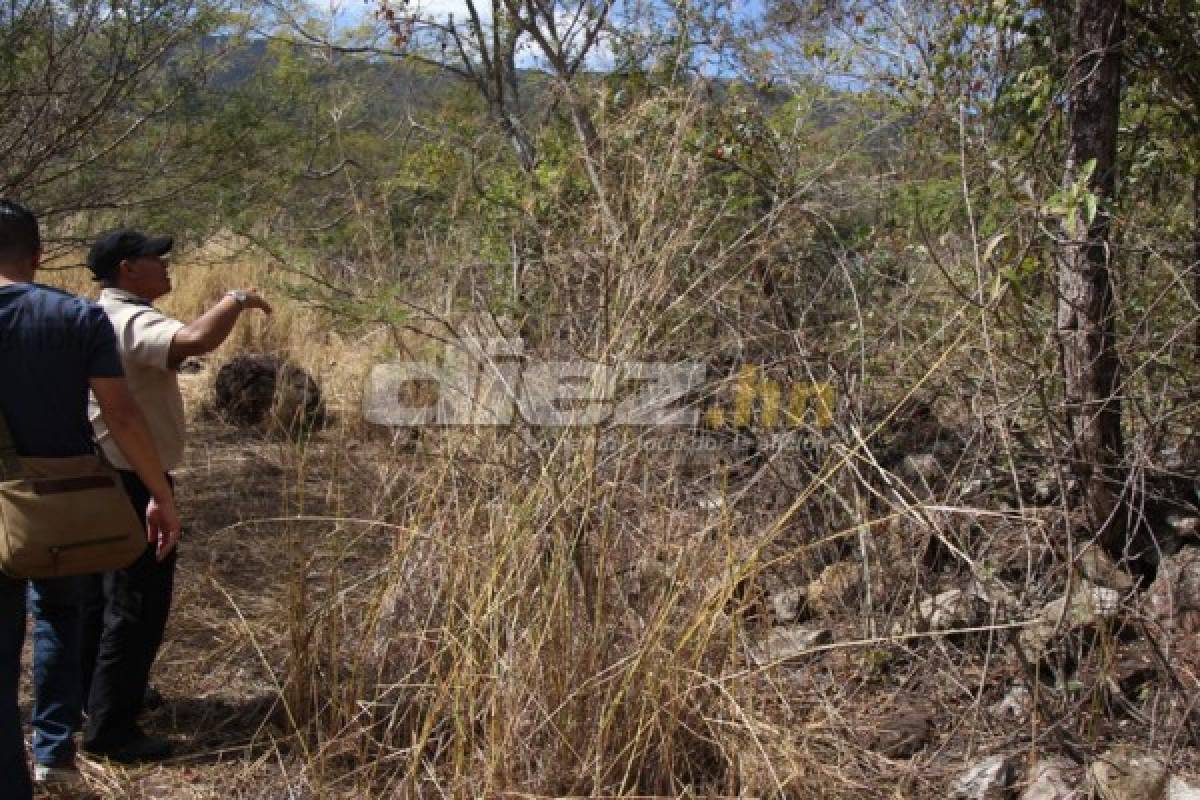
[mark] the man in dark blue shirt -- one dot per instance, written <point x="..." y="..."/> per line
<point x="53" y="347"/>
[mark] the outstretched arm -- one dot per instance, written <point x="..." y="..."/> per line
<point x="205" y="333"/>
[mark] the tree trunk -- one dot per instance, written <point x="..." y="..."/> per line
<point x="1085" y="301"/>
<point x="585" y="130"/>
<point x="518" y="137"/>
<point x="1196" y="256"/>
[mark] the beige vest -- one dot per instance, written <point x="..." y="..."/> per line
<point x="144" y="337"/>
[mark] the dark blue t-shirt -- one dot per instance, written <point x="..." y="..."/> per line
<point x="51" y="343"/>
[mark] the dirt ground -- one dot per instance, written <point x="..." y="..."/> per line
<point x="223" y="663"/>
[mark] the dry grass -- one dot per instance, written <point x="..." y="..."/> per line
<point x="357" y="623"/>
<point x="530" y="612"/>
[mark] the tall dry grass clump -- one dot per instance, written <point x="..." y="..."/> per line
<point x="564" y="611"/>
<point x="556" y="636"/>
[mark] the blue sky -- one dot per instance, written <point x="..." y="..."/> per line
<point x="459" y="7"/>
<point x="352" y="13"/>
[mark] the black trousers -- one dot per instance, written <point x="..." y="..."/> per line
<point x="124" y="617"/>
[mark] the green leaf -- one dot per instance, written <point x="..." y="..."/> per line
<point x="1089" y="207"/>
<point x="1085" y="172"/>
<point x="992" y="244"/>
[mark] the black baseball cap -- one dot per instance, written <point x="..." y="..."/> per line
<point x="115" y="246"/>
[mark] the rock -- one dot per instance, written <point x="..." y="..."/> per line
<point x="1048" y="781"/>
<point x="902" y="733"/>
<point x="256" y="389"/>
<point x="782" y="644"/>
<point x="922" y="467"/>
<point x="947" y="611"/>
<point x="1134" y="672"/>
<point x="1086" y="608"/>
<point x="1174" y="598"/>
<point x="1016" y="704"/>
<point x="1090" y="605"/>
<point x="972" y="488"/>
<point x="994" y="594"/>
<point x="790" y="605"/>
<point x="1126" y="773"/>
<point x="838" y="587"/>
<point x="989" y="779"/>
<point x="647" y="576"/>
<point x="1184" y="526"/>
<point x="1178" y="790"/>
<point x="953" y="609"/>
<point x="1099" y="568"/>
<point x="1045" y="490"/>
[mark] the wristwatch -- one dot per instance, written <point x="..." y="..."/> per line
<point x="239" y="296"/>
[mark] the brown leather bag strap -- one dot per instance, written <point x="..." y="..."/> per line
<point x="10" y="462"/>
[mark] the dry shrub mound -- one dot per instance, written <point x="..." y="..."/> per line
<point x="260" y="389"/>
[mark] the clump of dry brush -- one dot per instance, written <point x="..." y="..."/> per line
<point x="837" y="607"/>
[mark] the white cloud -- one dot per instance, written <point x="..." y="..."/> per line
<point x="441" y="8"/>
<point x="355" y="12"/>
<point x="600" y="58"/>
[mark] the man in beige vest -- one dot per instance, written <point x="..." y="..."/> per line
<point x="127" y="615"/>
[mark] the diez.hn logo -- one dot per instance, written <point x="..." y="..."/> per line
<point x="487" y="381"/>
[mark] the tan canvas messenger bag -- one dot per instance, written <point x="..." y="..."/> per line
<point x="63" y="516"/>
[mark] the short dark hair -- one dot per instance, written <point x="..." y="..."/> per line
<point x="20" y="240"/>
